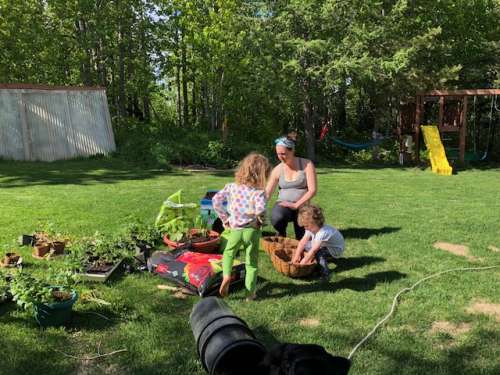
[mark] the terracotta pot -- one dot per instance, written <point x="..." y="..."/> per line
<point x="58" y="247"/>
<point x="10" y="260"/>
<point x="210" y="246"/>
<point x="40" y="249"/>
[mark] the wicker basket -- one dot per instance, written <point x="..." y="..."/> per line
<point x="281" y="259"/>
<point x="272" y="243"/>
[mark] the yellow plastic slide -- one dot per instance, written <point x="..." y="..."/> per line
<point x="439" y="162"/>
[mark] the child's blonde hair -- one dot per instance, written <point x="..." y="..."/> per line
<point x="311" y="214"/>
<point x="253" y="171"/>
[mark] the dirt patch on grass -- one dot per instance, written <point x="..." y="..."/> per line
<point x="494" y="248"/>
<point x="460" y="250"/>
<point x="450" y="328"/>
<point x="309" y="322"/>
<point x="486" y="308"/>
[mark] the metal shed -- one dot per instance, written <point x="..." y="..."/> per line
<point x="50" y="123"/>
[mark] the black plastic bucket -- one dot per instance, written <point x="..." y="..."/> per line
<point x="224" y="342"/>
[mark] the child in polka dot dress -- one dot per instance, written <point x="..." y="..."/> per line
<point x="242" y="218"/>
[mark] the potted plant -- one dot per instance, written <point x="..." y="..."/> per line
<point x="49" y="296"/>
<point x="47" y="242"/>
<point x="10" y="258"/>
<point x="40" y="249"/>
<point x="97" y="258"/>
<point x="145" y="238"/>
<point x="181" y="224"/>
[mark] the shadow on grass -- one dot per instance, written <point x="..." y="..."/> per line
<point x="6" y="307"/>
<point x="263" y="334"/>
<point x="346" y="264"/>
<point x="94" y="320"/>
<point x="87" y="172"/>
<point x="474" y="357"/>
<point x="24" y="355"/>
<point x="365" y="233"/>
<point x="358" y="284"/>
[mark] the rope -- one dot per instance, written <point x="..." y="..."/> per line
<point x="396" y="297"/>
<point x="493" y="104"/>
<point x="357" y="146"/>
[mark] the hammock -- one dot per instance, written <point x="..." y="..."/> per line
<point x="357" y="146"/>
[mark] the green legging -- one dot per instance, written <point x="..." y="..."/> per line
<point x="232" y="241"/>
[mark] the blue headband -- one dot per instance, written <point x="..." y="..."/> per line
<point x="285" y="142"/>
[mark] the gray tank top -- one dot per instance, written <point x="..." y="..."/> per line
<point x="292" y="191"/>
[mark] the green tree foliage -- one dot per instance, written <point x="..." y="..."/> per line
<point x="244" y="71"/>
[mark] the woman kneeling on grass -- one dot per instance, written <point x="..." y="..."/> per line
<point x="243" y="218"/>
<point x="296" y="179"/>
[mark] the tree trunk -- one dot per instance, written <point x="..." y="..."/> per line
<point x="121" y="75"/>
<point x="340" y="111"/>
<point x="185" y="99"/>
<point x="308" y="123"/>
<point x="85" y="63"/>
<point x="146" y="103"/>
<point x="194" y="103"/>
<point x="178" y="83"/>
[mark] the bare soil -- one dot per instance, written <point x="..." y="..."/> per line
<point x="486" y="308"/>
<point x="460" y="250"/>
<point x="454" y="330"/>
<point x="494" y="248"/>
<point x="309" y="322"/>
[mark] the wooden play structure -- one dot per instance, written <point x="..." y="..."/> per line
<point x="452" y="118"/>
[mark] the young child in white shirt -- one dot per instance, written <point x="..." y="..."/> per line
<point x="319" y="241"/>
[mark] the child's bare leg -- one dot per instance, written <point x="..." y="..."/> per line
<point x="224" y="286"/>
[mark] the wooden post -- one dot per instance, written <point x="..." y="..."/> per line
<point x="418" y="118"/>
<point x="441" y="112"/>
<point x="463" y="130"/>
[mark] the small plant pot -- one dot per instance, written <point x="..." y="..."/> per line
<point x="10" y="260"/>
<point x="26" y="240"/>
<point x="40" y="250"/>
<point x="55" y="314"/>
<point x="58" y="247"/>
<point x="210" y="246"/>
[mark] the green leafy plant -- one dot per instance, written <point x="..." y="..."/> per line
<point x="29" y="290"/>
<point x="140" y="232"/>
<point x="201" y="224"/>
<point x="176" y="218"/>
<point x="99" y="250"/>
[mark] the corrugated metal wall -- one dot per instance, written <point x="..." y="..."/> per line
<point x="51" y="125"/>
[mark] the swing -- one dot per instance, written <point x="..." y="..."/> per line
<point x="475" y="155"/>
<point x="491" y="129"/>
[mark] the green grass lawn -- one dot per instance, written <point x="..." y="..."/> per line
<point x="390" y="218"/>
